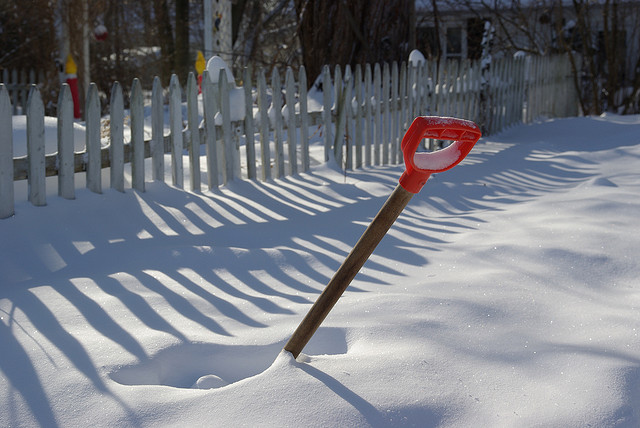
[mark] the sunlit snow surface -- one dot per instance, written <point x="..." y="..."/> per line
<point x="506" y="294"/>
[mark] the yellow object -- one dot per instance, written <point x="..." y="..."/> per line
<point x="200" y="64"/>
<point x="70" y="67"/>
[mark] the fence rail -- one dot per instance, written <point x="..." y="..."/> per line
<point x="364" y="115"/>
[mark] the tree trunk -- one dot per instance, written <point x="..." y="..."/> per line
<point x="351" y="32"/>
<point x="165" y="37"/>
<point x="182" y="40"/>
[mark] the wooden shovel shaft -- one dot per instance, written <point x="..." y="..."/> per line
<point x="387" y="215"/>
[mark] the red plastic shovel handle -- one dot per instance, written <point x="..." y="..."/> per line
<point x="420" y="165"/>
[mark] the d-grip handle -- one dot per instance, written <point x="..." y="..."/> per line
<point x="419" y="166"/>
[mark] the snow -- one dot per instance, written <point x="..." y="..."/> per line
<point x="438" y="160"/>
<point x="505" y="294"/>
<point x="236" y="94"/>
<point x="19" y="124"/>
<point x="416" y="58"/>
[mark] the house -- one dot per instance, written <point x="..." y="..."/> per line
<point x="455" y="29"/>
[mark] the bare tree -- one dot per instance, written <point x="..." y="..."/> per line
<point x="355" y="31"/>
<point x="164" y="32"/>
<point x="600" y="38"/>
<point x="264" y="34"/>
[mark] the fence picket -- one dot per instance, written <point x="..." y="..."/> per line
<point x="16" y="95"/>
<point x="276" y="106"/>
<point x="263" y="103"/>
<point x="385" y="113"/>
<point x="394" y="118"/>
<point x="137" y="138"/>
<point x="250" y="145"/>
<point x="473" y="84"/>
<point x="94" y="161"/>
<point x="357" y="81"/>
<point x="457" y="90"/>
<point x="403" y="109"/>
<point x="339" y="103"/>
<point x="6" y="155"/>
<point x="292" y="140"/>
<point x="228" y="159"/>
<point x="377" y="113"/>
<point x="368" y="122"/>
<point x="304" y="120"/>
<point x="327" y="111"/>
<point x="175" y="126"/>
<point x="193" y="142"/>
<point x="210" y="108"/>
<point x="451" y="93"/>
<point x="348" y="119"/>
<point x="116" y="146"/>
<point x="417" y="86"/>
<point x="157" y="132"/>
<point x="66" y="182"/>
<point x="35" y="147"/>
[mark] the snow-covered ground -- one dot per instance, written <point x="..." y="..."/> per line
<point x="506" y="294"/>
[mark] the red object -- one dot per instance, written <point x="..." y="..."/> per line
<point x="73" y="86"/>
<point x="199" y="84"/>
<point x="100" y="33"/>
<point x="420" y="165"/>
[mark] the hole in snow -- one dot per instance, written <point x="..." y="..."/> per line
<point x="206" y="366"/>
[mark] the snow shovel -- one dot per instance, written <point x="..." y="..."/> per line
<point x="419" y="166"/>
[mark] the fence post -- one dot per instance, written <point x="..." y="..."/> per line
<point x="66" y="182"/>
<point x="175" y="126"/>
<point x="157" y="131"/>
<point x="35" y="147"/>
<point x="137" y="136"/>
<point x="116" y="148"/>
<point x="6" y="155"/>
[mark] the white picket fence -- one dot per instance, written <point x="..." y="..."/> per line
<point x="364" y="116"/>
<point x="18" y="83"/>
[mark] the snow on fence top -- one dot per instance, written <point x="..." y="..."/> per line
<point x="363" y="115"/>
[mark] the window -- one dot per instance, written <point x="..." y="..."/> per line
<point x="454" y="42"/>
